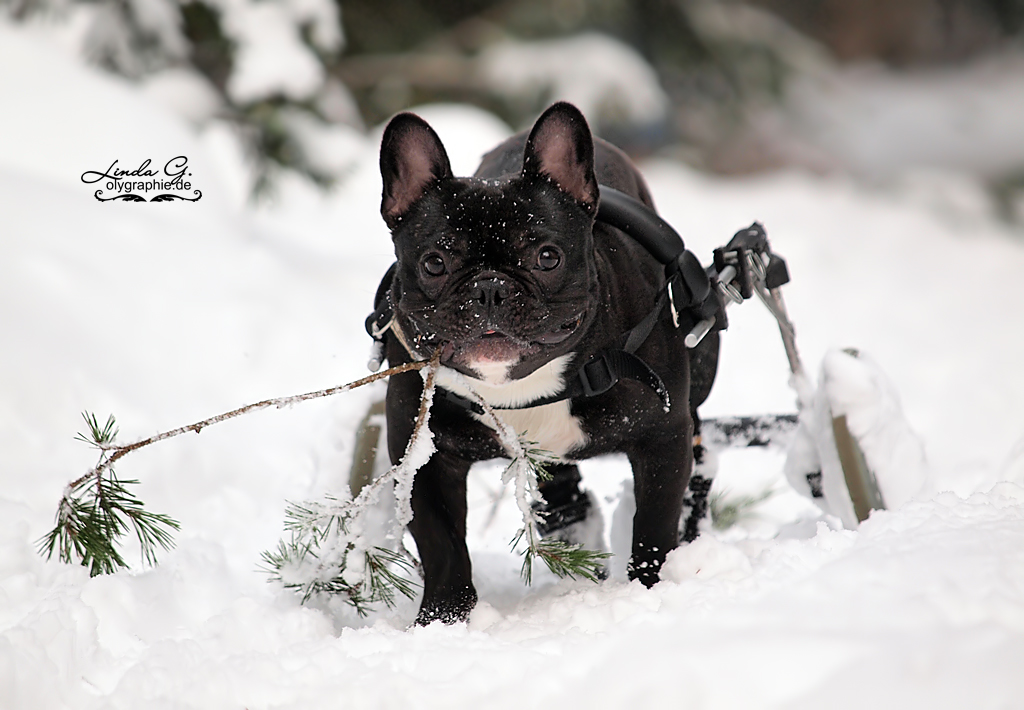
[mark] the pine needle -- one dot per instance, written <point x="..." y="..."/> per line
<point x="564" y="559"/>
<point x="727" y="511"/>
<point x="379" y="583"/>
<point x="98" y="510"/>
<point x="568" y="560"/>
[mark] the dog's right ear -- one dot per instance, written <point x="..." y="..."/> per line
<point x="411" y="159"/>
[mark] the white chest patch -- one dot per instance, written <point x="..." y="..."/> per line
<point x="551" y="427"/>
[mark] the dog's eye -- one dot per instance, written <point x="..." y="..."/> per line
<point x="434" y="265"/>
<point x="548" y="259"/>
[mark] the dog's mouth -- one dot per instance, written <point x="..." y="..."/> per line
<point x="492" y="344"/>
<point x="496" y="339"/>
<point x="493" y="347"/>
<point x="562" y="333"/>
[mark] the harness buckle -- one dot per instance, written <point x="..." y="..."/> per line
<point x="597" y="376"/>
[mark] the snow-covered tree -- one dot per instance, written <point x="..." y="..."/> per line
<point x="261" y="65"/>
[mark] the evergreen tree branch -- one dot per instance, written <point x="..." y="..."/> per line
<point x="566" y="559"/>
<point x="727" y="511"/>
<point x="328" y="552"/>
<point x="528" y="465"/>
<point x="97" y="509"/>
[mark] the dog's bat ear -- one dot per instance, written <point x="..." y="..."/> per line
<point x="411" y="159"/>
<point x="560" y="147"/>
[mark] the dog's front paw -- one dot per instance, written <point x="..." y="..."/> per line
<point x="646" y="566"/>
<point x="450" y="609"/>
<point x="647" y="571"/>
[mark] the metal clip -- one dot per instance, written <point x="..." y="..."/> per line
<point x="725" y="278"/>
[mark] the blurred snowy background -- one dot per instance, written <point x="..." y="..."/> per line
<point x="926" y="91"/>
<point x="882" y="145"/>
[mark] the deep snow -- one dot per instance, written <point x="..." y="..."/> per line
<point x="166" y="313"/>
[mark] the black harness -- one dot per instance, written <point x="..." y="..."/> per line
<point x="687" y="292"/>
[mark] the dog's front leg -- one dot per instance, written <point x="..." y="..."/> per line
<point x="438" y="507"/>
<point x="660" y="474"/>
<point x="439" y="528"/>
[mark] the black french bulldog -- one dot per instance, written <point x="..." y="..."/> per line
<point x="508" y="273"/>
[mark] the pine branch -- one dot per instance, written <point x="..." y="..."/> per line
<point x="535" y="457"/>
<point x="97" y="509"/>
<point x="379" y="583"/>
<point x="568" y="560"/>
<point x="384" y="582"/>
<point x="323" y="555"/>
<point x="327" y="553"/>
<point x="727" y="511"/>
<point x="528" y="465"/>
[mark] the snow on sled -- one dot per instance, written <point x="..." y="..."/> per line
<point x="849" y="448"/>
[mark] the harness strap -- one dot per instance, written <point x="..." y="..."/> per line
<point x="597" y="376"/>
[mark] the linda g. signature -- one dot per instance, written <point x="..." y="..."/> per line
<point x="144" y="179"/>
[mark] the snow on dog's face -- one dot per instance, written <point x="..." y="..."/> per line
<point x="498" y="273"/>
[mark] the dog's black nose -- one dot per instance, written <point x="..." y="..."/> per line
<point x="489" y="291"/>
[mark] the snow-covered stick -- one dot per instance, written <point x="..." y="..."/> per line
<point x="527" y="467"/>
<point x="330" y="551"/>
<point x="417" y="452"/>
<point x="97" y="510"/>
<point x="120" y="450"/>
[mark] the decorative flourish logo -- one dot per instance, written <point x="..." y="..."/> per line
<point x="135" y="185"/>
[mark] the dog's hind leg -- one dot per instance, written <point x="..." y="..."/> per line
<point x="569" y="513"/>
<point x="703" y="368"/>
<point x="564" y="502"/>
<point x="699" y="487"/>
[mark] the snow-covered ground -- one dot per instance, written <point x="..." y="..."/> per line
<point x="166" y="313"/>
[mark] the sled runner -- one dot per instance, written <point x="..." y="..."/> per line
<point x="826" y="462"/>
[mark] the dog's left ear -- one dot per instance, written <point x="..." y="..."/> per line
<point x="412" y="158"/>
<point x="561" y="148"/>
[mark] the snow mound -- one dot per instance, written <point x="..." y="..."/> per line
<point x="854" y="388"/>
